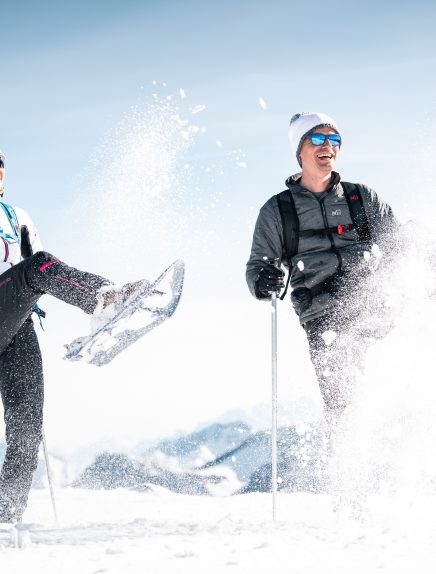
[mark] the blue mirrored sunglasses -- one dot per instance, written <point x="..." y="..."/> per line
<point x="320" y="139"/>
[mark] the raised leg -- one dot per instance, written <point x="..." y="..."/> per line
<point x="23" y="285"/>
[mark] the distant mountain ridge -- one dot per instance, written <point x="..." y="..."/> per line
<point x="218" y="459"/>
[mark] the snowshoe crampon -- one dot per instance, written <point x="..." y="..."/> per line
<point x="150" y="307"/>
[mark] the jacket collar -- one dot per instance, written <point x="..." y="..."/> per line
<point x="296" y="178"/>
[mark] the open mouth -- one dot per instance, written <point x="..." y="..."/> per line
<point x="325" y="156"/>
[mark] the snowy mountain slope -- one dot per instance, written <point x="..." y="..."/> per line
<point x="179" y="464"/>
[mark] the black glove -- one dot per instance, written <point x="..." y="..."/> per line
<point x="301" y="299"/>
<point x="26" y="246"/>
<point x="270" y="279"/>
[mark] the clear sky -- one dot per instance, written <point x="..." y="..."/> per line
<point x="71" y="74"/>
<point x="70" y="70"/>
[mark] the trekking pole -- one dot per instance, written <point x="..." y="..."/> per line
<point x="49" y="476"/>
<point x="274" y="403"/>
<point x="274" y="397"/>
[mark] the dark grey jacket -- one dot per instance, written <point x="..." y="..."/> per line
<point x="318" y="259"/>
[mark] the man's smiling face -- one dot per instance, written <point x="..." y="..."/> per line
<point x="319" y="158"/>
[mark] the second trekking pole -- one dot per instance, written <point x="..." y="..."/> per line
<point x="49" y="478"/>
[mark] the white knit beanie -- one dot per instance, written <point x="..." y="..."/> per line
<point x="302" y="124"/>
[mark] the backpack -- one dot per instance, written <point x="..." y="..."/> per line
<point x="291" y="223"/>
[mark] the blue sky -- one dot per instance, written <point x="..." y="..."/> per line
<point x="72" y="69"/>
<point x="71" y="72"/>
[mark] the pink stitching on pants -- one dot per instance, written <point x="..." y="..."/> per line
<point x="73" y="283"/>
<point x="49" y="264"/>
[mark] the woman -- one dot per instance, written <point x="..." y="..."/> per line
<point x="26" y="273"/>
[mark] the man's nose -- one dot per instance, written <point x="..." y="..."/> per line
<point x="327" y="144"/>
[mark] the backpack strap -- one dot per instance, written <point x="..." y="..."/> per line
<point x="291" y="230"/>
<point x="338" y="229"/>
<point x="13" y="220"/>
<point x="358" y="214"/>
<point x="290" y="224"/>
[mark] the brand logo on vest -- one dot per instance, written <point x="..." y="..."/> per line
<point x="337" y="212"/>
<point x="354" y="197"/>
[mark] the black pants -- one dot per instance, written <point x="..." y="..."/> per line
<point x="21" y="375"/>
<point x="338" y="344"/>
<point x="333" y="371"/>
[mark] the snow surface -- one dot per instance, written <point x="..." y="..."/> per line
<point x="127" y="532"/>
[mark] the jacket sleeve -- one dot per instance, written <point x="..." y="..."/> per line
<point x="382" y="221"/>
<point x="381" y="218"/>
<point x="267" y="243"/>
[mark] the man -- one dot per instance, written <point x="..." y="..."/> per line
<point x="331" y="235"/>
<point x="24" y="277"/>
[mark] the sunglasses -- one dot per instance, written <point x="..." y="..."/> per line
<point x="320" y="139"/>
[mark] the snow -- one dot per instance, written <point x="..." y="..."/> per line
<point x="329" y="336"/>
<point x="376" y="251"/>
<point x="262" y="103"/>
<point x="198" y="109"/>
<point x="128" y="532"/>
